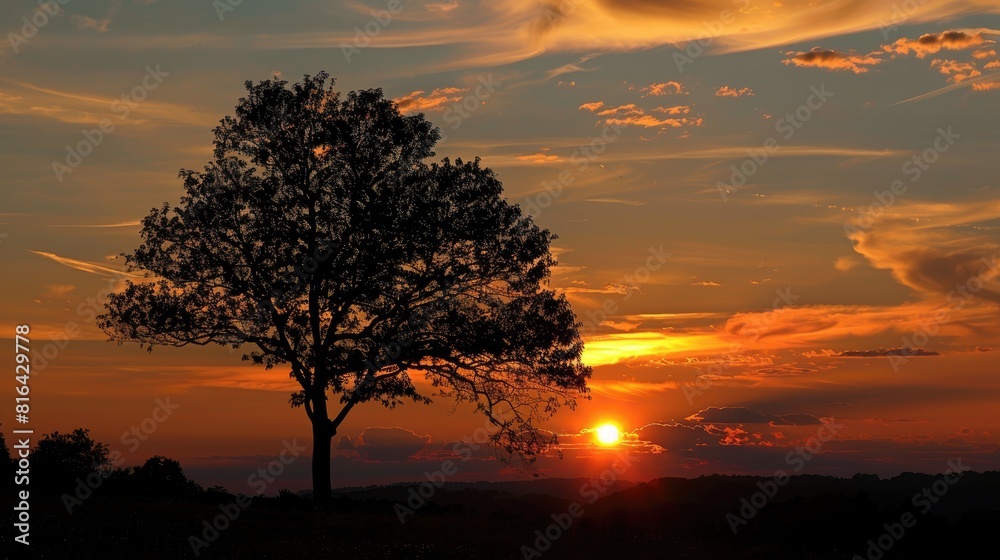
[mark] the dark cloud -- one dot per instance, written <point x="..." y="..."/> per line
<point x="729" y="415"/>
<point x="797" y="420"/>
<point x="390" y="444"/>
<point x="742" y="415"/>
<point x="833" y="60"/>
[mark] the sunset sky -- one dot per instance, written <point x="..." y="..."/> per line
<point x="756" y="202"/>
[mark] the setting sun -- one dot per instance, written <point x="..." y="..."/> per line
<point x="608" y="434"/>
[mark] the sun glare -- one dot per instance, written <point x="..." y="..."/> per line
<point x="608" y="434"/>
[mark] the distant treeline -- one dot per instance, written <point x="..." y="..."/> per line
<point x="90" y="507"/>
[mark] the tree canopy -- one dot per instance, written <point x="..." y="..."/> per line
<point x="58" y="460"/>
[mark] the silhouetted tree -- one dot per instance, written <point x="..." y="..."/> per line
<point x="161" y="478"/>
<point x="59" y="459"/>
<point x="320" y="237"/>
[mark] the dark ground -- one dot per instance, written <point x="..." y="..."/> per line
<point x="811" y="517"/>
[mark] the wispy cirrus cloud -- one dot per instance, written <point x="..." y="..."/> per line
<point x="630" y="390"/>
<point x="979" y="83"/>
<point x="22" y="98"/>
<point x="571" y="67"/>
<point x="918" y="243"/>
<point x="86" y="266"/>
<point x="540" y="158"/>
<point x="130" y="223"/>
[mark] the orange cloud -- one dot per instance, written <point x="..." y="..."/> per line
<point x="984" y="54"/>
<point x="437" y="100"/>
<point x="507" y="31"/>
<point x="931" y="43"/>
<point x="628" y="390"/>
<point x="985" y="86"/>
<point x="833" y="60"/>
<point x="664" y="88"/>
<point x="726" y="91"/>
<point x="629" y="109"/>
<point x="791" y="327"/>
<point x="539" y="158"/>
<point x="632" y="115"/>
<point x="649" y="121"/>
<point x="678" y="110"/>
<point x="621" y="347"/>
<point x="992" y="65"/>
<point x="955" y="70"/>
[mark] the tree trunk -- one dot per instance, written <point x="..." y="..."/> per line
<point x="322" y="440"/>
